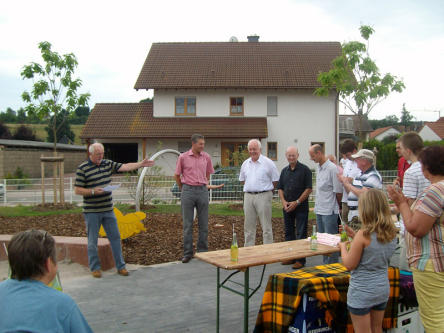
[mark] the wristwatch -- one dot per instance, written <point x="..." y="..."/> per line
<point x="298" y="202"/>
<point x="92" y="192"/>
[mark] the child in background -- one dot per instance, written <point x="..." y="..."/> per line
<point x="368" y="260"/>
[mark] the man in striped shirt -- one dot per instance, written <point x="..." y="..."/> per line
<point x="370" y="178"/>
<point x="91" y="177"/>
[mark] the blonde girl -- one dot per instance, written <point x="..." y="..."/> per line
<point x="367" y="260"/>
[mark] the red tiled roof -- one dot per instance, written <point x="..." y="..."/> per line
<point x="236" y="65"/>
<point x="437" y="127"/>
<point x="378" y="131"/>
<point x="135" y="120"/>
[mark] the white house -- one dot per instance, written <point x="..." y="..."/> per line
<point x="384" y="132"/>
<point x="433" y="131"/>
<point x="230" y="92"/>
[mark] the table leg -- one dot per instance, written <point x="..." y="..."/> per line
<point x="246" y="297"/>
<point x="218" y="300"/>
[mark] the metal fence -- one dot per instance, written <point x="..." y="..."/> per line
<point x="156" y="190"/>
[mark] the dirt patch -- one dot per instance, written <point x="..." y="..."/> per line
<point x="53" y="207"/>
<point x="161" y="242"/>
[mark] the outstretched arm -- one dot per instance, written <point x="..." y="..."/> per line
<point x="137" y="165"/>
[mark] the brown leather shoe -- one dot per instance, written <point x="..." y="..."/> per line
<point x="123" y="272"/>
<point x="186" y="259"/>
<point x="297" y="265"/>
<point x="97" y="274"/>
<point x="287" y="262"/>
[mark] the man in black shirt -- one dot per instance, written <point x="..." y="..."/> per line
<point x="295" y="185"/>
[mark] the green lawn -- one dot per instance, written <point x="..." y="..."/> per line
<point x="215" y="209"/>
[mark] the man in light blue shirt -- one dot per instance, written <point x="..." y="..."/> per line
<point x="27" y="304"/>
<point x="327" y="197"/>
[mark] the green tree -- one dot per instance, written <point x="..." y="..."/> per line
<point x="54" y="88"/>
<point x="21" y="116"/>
<point x="24" y="132"/>
<point x="406" y="117"/>
<point x="80" y="115"/>
<point x="63" y="131"/>
<point x="4" y="131"/>
<point x="391" y="120"/>
<point x="356" y="78"/>
<point x="9" y="116"/>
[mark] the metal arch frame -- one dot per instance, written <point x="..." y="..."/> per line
<point x="142" y="174"/>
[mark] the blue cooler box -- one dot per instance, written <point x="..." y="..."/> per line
<point x="309" y="318"/>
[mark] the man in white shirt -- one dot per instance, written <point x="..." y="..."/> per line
<point x="351" y="170"/>
<point x="259" y="176"/>
<point x="328" y="196"/>
<point x="414" y="182"/>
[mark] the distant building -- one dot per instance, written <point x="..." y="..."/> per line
<point x="349" y="127"/>
<point x="384" y="132"/>
<point x="433" y="131"/>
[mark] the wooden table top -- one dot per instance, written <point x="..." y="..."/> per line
<point x="264" y="254"/>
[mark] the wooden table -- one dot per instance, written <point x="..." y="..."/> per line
<point x="256" y="256"/>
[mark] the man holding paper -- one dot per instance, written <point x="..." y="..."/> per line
<point x="93" y="176"/>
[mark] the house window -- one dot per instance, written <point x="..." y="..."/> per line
<point x="183" y="146"/>
<point x="185" y="106"/>
<point x="272" y="151"/>
<point x="322" y="144"/>
<point x="272" y="106"/>
<point x="236" y="106"/>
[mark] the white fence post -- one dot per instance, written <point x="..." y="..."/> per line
<point x="211" y="191"/>
<point x="70" y="190"/>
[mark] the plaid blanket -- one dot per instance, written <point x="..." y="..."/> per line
<point x="329" y="285"/>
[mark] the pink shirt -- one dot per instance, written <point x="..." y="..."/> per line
<point x="194" y="169"/>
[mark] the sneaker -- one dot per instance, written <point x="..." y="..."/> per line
<point x="123" y="272"/>
<point x="97" y="274"/>
<point x="287" y="262"/>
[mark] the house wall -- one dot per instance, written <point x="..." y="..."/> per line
<point x="302" y="118"/>
<point x="28" y="159"/>
<point x="389" y="132"/>
<point x="427" y="134"/>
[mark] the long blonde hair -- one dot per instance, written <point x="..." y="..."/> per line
<point x="374" y="212"/>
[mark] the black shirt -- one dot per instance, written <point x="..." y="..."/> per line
<point x="295" y="182"/>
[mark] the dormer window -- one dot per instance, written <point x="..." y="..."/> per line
<point x="236" y="106"/>
<point x="185" y="106"/>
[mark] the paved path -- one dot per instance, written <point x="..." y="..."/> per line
<point x="172" y="297"/>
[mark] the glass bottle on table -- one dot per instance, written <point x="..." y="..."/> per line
<point x="234" y="248"/>
<point x="314" y="239"/>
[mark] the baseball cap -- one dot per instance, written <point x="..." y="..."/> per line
<point x="365" y="153"/>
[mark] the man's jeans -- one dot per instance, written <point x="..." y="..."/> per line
<point x="300" y="232"/>
<point x="194" y="196"/>
<point x="109" y="222"/>
<point x="328" y="224"/>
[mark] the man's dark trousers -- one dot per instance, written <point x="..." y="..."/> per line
<point x="194" y="196"/>
<point x="296" y="226"/>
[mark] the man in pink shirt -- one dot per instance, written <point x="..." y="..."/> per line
<point x="192" y="174"/>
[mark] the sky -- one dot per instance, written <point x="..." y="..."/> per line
<point x="111" y="40"/>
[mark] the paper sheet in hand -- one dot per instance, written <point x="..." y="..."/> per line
<point x="110" y="188"/>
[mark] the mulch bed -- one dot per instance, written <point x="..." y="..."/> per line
<point x="162" y="242"/>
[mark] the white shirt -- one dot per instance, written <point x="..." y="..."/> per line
<point x="327" y="185"/>
<point x="260" y="175"/>
<point x="350" y="170"/>
<point x="414" y="182"/>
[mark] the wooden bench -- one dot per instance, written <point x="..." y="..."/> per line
<point x="74" y="249"/>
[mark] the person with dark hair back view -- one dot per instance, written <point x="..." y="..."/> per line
<point x="27" y="303"/>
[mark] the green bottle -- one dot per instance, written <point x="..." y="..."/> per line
<point x="314" y="240"/>
<point x="234" y="248"/>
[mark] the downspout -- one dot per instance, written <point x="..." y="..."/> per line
<point x="336" y="126"/>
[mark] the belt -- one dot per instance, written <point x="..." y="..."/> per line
<point x="352" y="207"/>
<point x="258" y="192"/>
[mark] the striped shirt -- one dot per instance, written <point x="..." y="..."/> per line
<point x="414" y="181"/>
<point x="368" y="179"/>
<point x="90" y="175"/>
<point x="431" y="246"/>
